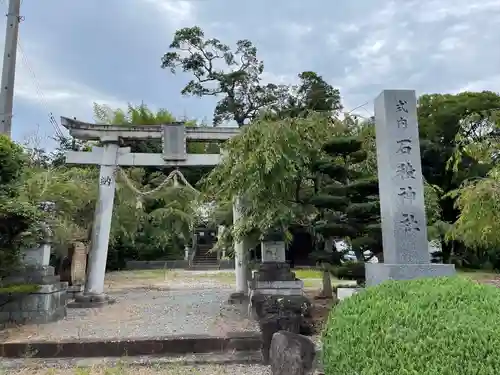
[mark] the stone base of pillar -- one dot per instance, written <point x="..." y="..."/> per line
<point x="88" y="300"/>
<point x="237" y="298"/>
<point x="377" y="273"/>
<point x="75" y="290"/>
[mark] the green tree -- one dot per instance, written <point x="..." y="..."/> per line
<point x="478" y="200"/>
<point x="313" y="93"/>
<point x="236" y="75"/>
<point x="19" y="220"/>
<point x="74" y="193"/>
<point x="449" y="126"/>
<point x="269" y="163"/>
<point x="334" y="189"/>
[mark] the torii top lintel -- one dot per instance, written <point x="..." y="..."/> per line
<point x="95" y="132"/>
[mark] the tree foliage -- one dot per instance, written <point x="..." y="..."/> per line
<point x="453" y="129"/>
<point x="313" y="93"/>
<point x="268" y="164"/>
<point x="219" y="71"/>
<point x="19" y="221"/>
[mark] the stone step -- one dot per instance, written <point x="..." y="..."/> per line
<point x="228" y="358"/>
<point x="204" y="267"/>
<point x="168" y="346"/>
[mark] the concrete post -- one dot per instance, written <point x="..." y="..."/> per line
<point x="102" y="222"/>
<point x="9" y="67"/>
<point x="240" y="258"/>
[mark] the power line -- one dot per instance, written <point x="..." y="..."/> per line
<point x="39" y="91"/>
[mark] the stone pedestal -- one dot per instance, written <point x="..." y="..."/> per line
<point x="276" y="296"/>
<point x="275" y="278"/>
<point x="45" y="303"/>
<point x="377" y="273"/>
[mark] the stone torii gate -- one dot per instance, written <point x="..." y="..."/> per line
<point x="175" y="137"/>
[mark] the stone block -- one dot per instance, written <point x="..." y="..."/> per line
<point x="39" y="256"/>
<point x="4" y="317"/>
<point x="283" y="292"/>
<point x="278" y="304"/>
<point x="272" y="266"/>
<point x="9" y="303"/>
<point x="377" y="273"/>
<point x="30" y="302"/>
<point x="295" y="284"/>
<point x="273" y="251"/>
<point x="74" y="290"/>
<point x="45" y="305"/>
<point x="291" y="354"/>
<point x="343" y="293"/>
<point x="272" y="276"/>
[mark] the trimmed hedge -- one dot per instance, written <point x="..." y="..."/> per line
<point x="434" y="326"/>
<point x="350" y="271"/>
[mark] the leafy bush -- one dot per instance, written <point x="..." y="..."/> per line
<point x="12" y="161"/>
<point x="442" y="326"/>
<point x="350" y="271"/>
<point x="19" y="220"/>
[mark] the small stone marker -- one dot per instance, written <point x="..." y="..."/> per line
<point x="404" y="225"/>
<point x="38" y="256"/>
<point x="291" y="354"/>
<point x="79" y="263"/>
<point x="273" y="251"/>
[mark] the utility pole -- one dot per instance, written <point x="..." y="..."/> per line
<point x="9" y="67"/>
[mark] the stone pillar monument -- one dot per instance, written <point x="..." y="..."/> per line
<point x="277" y="299"/>
<point x="78" y="269"/>
<point x="404" y="225"/>
<point x="274" y="276"/>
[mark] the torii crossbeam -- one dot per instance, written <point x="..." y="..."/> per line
<point x="175" y="137"/>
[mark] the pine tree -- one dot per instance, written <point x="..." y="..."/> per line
<point x="348" y="206"/>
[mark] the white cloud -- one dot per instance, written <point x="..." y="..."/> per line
<point x="296" y="30"/>
<point x="491" y="83"/>
<point x="39" y="82"/>
<point x="179" y="12"/>
<point x="439" y="10"/>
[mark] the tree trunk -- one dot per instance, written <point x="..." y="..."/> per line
<point x="327" y="284"/>
<point x="327" y="291"/>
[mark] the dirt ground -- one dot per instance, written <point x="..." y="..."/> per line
<point x="148" y="370"/>
<point x="148" y="304"/>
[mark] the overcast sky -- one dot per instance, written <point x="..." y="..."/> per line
<point x="76" y="52"/>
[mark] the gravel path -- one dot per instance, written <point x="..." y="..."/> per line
<point x="147" y="312"/>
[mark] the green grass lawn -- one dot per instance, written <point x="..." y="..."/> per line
<point x="478" y="274"/>
<point x="311" y="277"/>
<point x="308" y="274"/>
